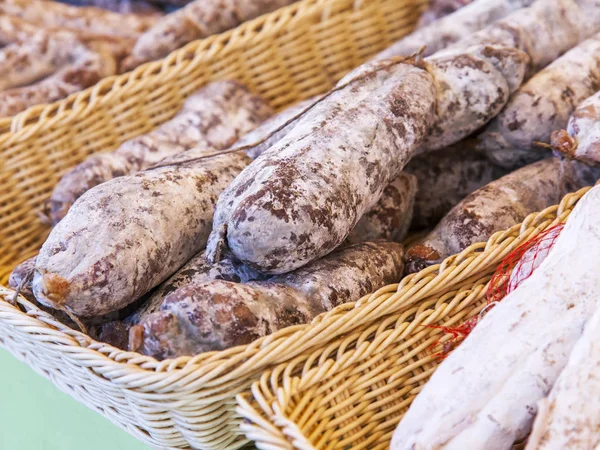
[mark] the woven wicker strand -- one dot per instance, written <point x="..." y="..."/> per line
<point x="352" y="391"/>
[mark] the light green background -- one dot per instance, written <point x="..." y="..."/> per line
<point x="35" y="415"/>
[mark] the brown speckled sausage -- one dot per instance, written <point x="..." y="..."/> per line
<point x="214" y="117"/>
<point x="51" y="14"/>
<point x="86" y="68"/>
<point x="541" y="106"/>
<point x="124" y="237"/>
<point x="497" y="206"/>
<point x="273" y="130"/>
<point x="307" y="192"/>
<point x="25" y="269"/>
<point x="197" y="270"/>
<point x="472" y="85"/>
<point x="545" y="30"/>
<point x="27" y="60"/>
<point x="444" y="178"/>
<point x="581" y="139"/>
<point x="438" y="9"/>
<point x="221" y="314"/>
<point x="450" y="29"/>
<point x="391" y="216"/>
<point x="199" y="19"/>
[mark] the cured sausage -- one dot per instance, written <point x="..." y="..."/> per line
<point x="214" y="117"/>
<point x="498" y="206"/>
<point x="197" y="270"/>
<point x="313" y="185"/>
<point x="85" y="68"/>
<point x="124" y="237"/>
<point x="484" y="395"/>
<point x="26" y="61"/>
<point x="391" y="216"/>
<point x="197" y="20"/>
<point x="221" y="314"/>
<point x="541" y="106"/>
<point x="568" y="417"/>
<point x="545" y="30"/>
<point x="452" y="28"/>
<point x="444" y="178"/>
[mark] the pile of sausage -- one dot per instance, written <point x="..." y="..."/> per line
<point x="230" y="222"/>
<point x="50" y="50"/>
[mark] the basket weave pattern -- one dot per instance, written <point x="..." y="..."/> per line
<point x="353" y="390"/>
<point x="289" y="55"/>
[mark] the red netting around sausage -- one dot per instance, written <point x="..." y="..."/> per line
<point x="518" y="265"/>
<point x="515" y="268"/>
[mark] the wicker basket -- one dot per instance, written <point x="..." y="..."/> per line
<point x="291" y="54"/>
<point x="352" y="391"/>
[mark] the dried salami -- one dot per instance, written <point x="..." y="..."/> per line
<point x="496" y="207"/>
<point x="214" y="117"/>
<point x="221" y="314"/>
<point x="541" y="106"/>
<point x="124" y="237"/>
<point x="453" y="28"/>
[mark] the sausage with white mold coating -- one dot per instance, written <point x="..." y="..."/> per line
<point x="30" y="58"/>
<point x="197" y="270"/>
<point x="84" y="69"/>
<point x="197" y="20"/>
<point x="221" y="314"/>
<point x="541" y="106"/>
<point x="124" y="237"/>
<point x="545" y="30"/>
<point x="214" y="117"/>
<point x="308" y="191"/>
<point x="444" y="178"/>
<point x="498" y="206"/>
<point x="485" y="394"/>
<point x="569" y="417"/>
<point x="26" y="269"/>
<point x="301" y="198"/>
<point x="472" y="86"/>
<point x="453" y="28"/>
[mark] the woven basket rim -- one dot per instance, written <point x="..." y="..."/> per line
<point x="220" y="367"/>
<point x="36" y="119"/>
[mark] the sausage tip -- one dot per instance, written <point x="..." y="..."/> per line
<point x="419" y="257"/>
<point x="50" y="289"/>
